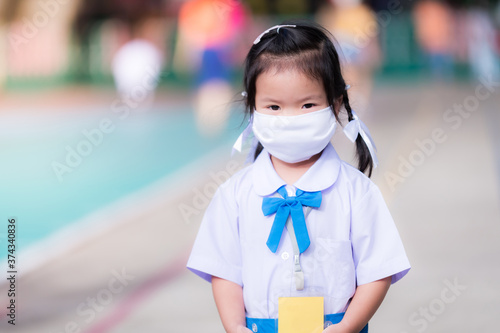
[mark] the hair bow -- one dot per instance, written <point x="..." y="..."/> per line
<point x="242" y="138"/>
<point x="355" y="127"/>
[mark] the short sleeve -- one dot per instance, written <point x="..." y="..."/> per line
<point x="216" y="250"/>
<point x="377" y="247"/>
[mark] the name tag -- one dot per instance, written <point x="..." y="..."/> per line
<point x="300" y="314"/>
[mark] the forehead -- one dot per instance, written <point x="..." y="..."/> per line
<point x="287" y="82"/>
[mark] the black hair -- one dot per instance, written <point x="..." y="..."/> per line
<point x="309" y="48"/>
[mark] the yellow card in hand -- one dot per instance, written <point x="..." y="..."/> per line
<point x="300" y="314"/>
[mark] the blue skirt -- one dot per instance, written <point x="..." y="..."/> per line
<point x="257" y="325"/>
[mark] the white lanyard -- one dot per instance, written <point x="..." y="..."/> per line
<point x="298" y="274"/>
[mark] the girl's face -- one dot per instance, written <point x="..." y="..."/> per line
<point x="288" y="93"/>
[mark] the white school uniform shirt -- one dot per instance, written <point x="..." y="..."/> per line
<point x="354" y="240"/>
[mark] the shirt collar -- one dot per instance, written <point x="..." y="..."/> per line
<point x="321" y="175"/>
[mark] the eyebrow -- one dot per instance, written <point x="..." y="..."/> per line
<point x="310" y="97"/>
<point x="270" y="99"/>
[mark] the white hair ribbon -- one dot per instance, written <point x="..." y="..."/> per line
<point x="238" y="144"/>
<point x="257" y="40"/>
<point x="355" y="127"/>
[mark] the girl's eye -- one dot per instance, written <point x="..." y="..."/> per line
<point x="308" y="105"/>
<point x="274" y="107"/>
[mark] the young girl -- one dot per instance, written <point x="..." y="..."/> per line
<point x="298" y="221"/>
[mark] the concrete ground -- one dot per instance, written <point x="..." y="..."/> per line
<point x="439" y="172"/>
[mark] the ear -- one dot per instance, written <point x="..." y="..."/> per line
<point x="337" y="105"/>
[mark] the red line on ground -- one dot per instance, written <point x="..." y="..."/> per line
<point x="132" y="301"/>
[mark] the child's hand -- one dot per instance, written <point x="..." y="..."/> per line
<point x="336" y="328"/>
<point x="243" y="329"/>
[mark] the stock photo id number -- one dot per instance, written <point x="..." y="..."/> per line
<point x="11" y="270"/>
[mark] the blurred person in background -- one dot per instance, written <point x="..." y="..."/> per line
<point x="136" y="70"/>
<point x="434" y="27"/>
<point x="104" y="27"/>
<point x="481" y="40"/>
<point x="36" y="28"/>
<point x="210" y="32"/>
<point x="354" y="26"/>
<point x="137" y="64"/>
<point x="5" y="17"/>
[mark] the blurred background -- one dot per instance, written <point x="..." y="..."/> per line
<point x="116" y="125"/>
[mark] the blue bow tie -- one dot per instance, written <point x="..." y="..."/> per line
<point x="283" y="207"/>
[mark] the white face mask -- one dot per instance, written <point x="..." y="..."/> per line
<point x="294" y="139"/>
